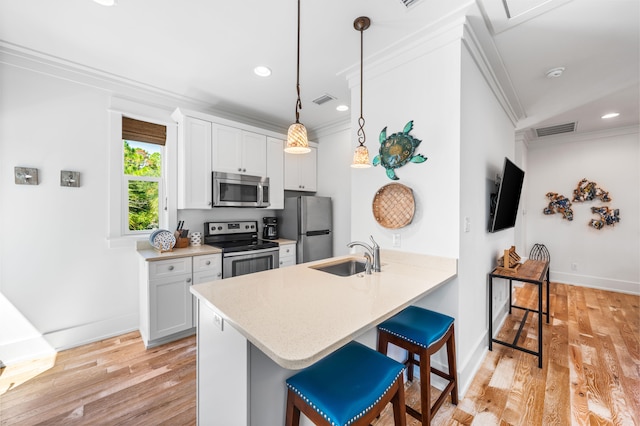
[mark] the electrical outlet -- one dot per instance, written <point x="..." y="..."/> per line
<point x="217" y="320"/>
<point x="574" y="266"/>
<point x="396" y="240"/>
<point x="467" y="224"/>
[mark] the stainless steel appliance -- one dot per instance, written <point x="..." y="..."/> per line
<point x="308" y="221"/>
<point x="242" y="251"/>
<point x="235" y="190"/>
<point x="270" y="228"/>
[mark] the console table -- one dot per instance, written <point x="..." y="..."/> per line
<point x="533" y="272"/>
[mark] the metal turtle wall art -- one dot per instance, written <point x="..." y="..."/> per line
<point x="397" y="150"/>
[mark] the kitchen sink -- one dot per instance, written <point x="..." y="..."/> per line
<point x="343" y="269"/>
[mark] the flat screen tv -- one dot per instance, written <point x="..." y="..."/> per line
<point x="504" y="203"/>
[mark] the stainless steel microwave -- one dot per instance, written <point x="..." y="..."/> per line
<point x="235" y="190"/>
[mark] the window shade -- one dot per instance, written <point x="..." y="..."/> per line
<point x="141" y="131"/>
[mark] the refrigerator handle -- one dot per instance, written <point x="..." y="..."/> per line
<point x="312" y="233"/>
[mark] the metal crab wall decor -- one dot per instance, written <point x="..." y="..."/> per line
<point x="587" y="191"/>
<point x="607" y="217"/>
<point x="559" y="204"/>
<point x="397" y="150"/>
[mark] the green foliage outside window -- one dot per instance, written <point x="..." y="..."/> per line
<point x="143" y="195"/>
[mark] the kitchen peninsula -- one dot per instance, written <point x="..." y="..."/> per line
<point x="256" y="330"/>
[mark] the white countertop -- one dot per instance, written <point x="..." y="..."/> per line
<point x="297" y="315"/>
<point x="150" y="254"/>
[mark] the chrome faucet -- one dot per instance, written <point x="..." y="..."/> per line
<point x="372" y="251"/>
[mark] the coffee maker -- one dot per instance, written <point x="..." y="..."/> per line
<point x="270" y="229"/>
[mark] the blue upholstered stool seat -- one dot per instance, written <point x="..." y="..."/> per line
<point x="417" y="325"/>
<point x="346" y="384"/>
<point x="422" y="333"/>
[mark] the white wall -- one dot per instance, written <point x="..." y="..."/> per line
<point x="56" y="269"/>
<point x="606" y="258"/>
<point x="487" y="136"/>
<point x="334" y="159"/>
<point x="423" y="87"/>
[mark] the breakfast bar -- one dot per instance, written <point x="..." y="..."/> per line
<point x="255" y="331"/>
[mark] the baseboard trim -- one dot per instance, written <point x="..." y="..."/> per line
<point x="601" y="283"/>
<point x="59" y="340"/>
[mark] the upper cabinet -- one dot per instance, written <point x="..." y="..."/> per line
<point x="300" y="171"/>
<point x="207" y="143"/>
<point x="238" y="151"/>
<point x="194" y="163"/>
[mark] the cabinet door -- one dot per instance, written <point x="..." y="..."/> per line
<point x="275" y="173"/>
<point x="300" y="171"/>
<point x="308" y="171"/>
<point x="226" y="149"/>
<point x="254" y="154"/>
<point x="170" y="306"/>
<point x="291" y="172"/>
<point x="194" y="164"/>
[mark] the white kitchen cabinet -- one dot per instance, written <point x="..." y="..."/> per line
<point x="275" y="172"/>
<point x="166" y="305"/>
<point x="300" y="171"/>
<point x="287" y="254"/>
<point x="194" y="162"/>
<point x="167" y="308"/>
<point x="238" y="151"/>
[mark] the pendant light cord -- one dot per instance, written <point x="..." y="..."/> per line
<point x="361" y="136"/>
<point x="298" y="102"/>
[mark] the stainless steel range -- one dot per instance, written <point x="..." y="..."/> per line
<point x="242" y="251"/>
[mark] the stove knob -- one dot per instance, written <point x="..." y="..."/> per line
<point x="219" y="228"/>
<point x="246" y="227"/>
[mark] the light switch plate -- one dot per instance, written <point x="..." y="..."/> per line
<point x="26" y="176"/>
<point x="69" y="178"/>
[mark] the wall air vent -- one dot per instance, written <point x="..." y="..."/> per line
<point x="409" y="3"/>
<point x="323" y="99"/>
<point x="556" y="130"/>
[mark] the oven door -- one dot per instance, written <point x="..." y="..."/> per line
<point x="248" y="262"/>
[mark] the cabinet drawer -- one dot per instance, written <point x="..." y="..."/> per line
<point x="288" y="250"/>
<point x="170" y="267"/>
<point x="207" y="263"/>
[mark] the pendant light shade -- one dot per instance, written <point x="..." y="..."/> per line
<point x="361" y="158"/>
<point x="361" y="155"/>
<point x="297" y="142"/>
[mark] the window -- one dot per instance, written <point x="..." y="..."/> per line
<point x="143" y="176"/>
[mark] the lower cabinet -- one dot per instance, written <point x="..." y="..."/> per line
<point x="166" y="305"/>
<point x="287" y="255"/>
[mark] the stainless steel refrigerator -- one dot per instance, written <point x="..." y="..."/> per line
<point x="308" y="221"/>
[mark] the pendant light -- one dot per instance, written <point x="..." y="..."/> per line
<point x="361" y="156"/>
<point x="297" y="142"/>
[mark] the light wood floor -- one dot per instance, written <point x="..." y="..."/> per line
<point x="590" y="375"/>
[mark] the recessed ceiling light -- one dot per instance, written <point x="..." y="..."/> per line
<point x="106" y="2"/>
<point x="555" y="72"/>
<point x="262" y="71"/>
<point x="610" y="115"/>
<point x="342" y="108"/>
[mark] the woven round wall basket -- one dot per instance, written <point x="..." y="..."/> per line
<point x="394" y="206"/>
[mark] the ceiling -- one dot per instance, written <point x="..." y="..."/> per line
<point x="204" y="51"/>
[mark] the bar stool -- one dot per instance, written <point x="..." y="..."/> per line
<point x="349" y="387"/>
<point x="422" y="332"/>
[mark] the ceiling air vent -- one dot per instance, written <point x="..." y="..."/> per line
<point x="323" y="99"/>
<point x="409" y="3"/>
<point x="556" y="130"/>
